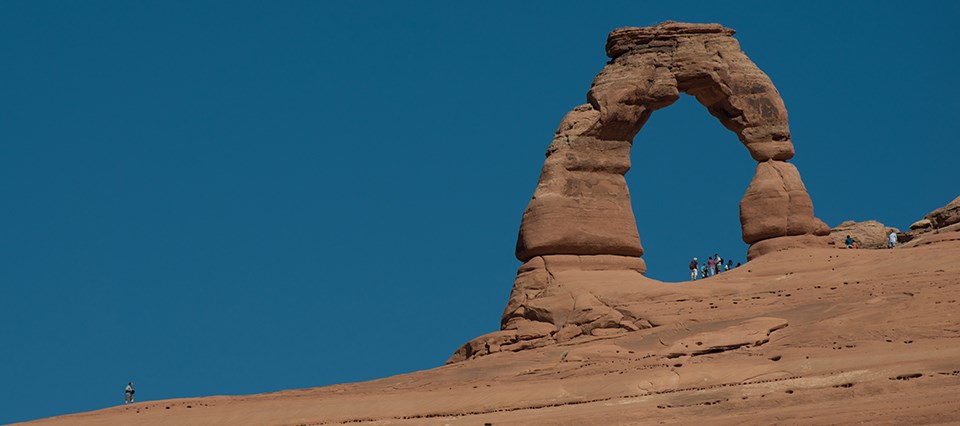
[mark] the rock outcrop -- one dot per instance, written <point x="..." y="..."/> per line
<point x="868" y="234"/>
<point x="579" y="226"/>
<point x="945" y="216"/>
<point x="838" y="337"/>
<point x="873" y="234"/>
<point x="560" y="297"/>
<point x="943" y="219"/>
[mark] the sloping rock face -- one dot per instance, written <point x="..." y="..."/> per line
<point x="557" y="298"/>
<point x="867" y="234"/>
<point x="841" y="337"/>
<point x="582" y="205"/>
<point x="580" y="220"/>
<point x="945" y="216"/>
<point x="944" y="219"/>
<point x="561" y="297"/>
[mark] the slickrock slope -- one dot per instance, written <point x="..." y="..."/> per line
<point x="825" y="336"/>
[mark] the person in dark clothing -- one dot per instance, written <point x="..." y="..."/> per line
<point x="128" y="393"/>
<point x="694" y="267"/>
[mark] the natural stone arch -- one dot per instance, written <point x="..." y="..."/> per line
<point x="578" y="238"/>
<point x="582" y="205"/>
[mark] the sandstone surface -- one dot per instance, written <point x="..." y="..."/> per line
<point x="785" y="243"/>
<point x="921" y="224"/>
<point x="943" y="219"/>
<point x="946" y="215"/>
<point x="805" y="336"/>
<point x="776" y="204"/>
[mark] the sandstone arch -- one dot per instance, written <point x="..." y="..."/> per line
<point x="581" y="205"/>
<point x="578" y="238"/>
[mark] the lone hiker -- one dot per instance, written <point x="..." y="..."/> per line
<point x="893" y="240"/>
<point x="849" y="241"/>
<point x="693" y="269"/>
<point x="128" y="392"/>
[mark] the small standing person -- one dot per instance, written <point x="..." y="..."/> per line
<point x="128" y="392"/>
<point x="849" y="241"/>
<point x="893" y="240"/>
<point x="694" y="267"/>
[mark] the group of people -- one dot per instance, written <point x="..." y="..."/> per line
<point x="891" y="241"/>
<point x="713" y="266"/>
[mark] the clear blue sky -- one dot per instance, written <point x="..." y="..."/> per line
<point x="214" y="198"/>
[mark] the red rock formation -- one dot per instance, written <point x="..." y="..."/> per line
<point x="946" y="215"/>
<point x="776" y="204"/>
<point x="580" y="218"/>
<point x="943" y="219"/>
<point x="582" y="205"/>
<point x="868" y="234"/>
<point x="842" y="337"/>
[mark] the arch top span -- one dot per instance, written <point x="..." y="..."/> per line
<point x="582" y="205"/>
<point x="650" y="66"/>
<point x="625" y="39"/>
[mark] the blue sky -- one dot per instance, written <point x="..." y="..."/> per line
<point x="213" y="198"/>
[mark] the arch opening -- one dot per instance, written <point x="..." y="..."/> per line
<point x="687" y="171"/>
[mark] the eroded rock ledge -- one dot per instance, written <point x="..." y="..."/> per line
<point x="550" y="305"/>
<point x="945" y="219"/>
<point x="873" y="234"/>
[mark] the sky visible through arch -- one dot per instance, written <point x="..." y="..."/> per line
<point x="687" y="176"/>
<point x="212" y="198"/>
